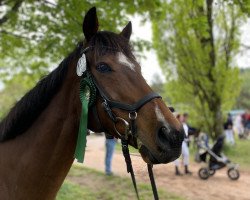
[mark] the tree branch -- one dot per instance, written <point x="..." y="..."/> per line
<point x="212" y="54"/>
<point x="228" y="46"/>
<point x="247" y="47"/>
<point x="15" y="35"/>
<point x="15" y="8"/>
<point x="210" y="30"/>
<point x="50" y="3"/>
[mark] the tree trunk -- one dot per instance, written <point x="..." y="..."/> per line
<point x="217" y="118"/>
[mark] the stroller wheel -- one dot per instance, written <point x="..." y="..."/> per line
<point x="211" y="172"/>
<point x="233" y="174"/>
<point x="203" y="173"/>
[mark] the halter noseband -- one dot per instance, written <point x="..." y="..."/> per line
<point x="108" y="105"/>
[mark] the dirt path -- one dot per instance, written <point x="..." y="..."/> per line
<point x="218" y="187"/>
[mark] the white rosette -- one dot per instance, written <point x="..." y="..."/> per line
<point x="81" y="65"/>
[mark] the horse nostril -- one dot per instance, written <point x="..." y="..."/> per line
<point x="163" y="134"/>
<point x="163" y="139"/>
<point x="169" y="142"/>
<point x="168" y="138"/>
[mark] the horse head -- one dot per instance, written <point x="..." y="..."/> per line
<point x="125" y="105"/>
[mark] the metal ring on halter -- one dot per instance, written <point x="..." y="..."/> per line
<point x="132" y="115"/>
<point x="126" y="127"/>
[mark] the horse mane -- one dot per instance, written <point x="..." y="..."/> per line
<point x="29" y="107"/>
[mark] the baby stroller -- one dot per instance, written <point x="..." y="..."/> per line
<point x="216" y="160"/>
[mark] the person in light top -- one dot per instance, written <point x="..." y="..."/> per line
<point x="185" y="150"/>
<point x="228" y="129"/>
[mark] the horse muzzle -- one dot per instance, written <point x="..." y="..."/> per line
<point x="168" y="144"/>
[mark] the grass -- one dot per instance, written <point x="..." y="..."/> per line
<point x="240" y="153"/>
<point x="118" y="147"/>
<point x="89" y="184"/>
<point x="70" y="191"/>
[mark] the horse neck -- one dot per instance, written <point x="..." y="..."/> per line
<point x="42" y="156"/>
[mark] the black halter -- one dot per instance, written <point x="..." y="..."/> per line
<point x="130" y="127"/>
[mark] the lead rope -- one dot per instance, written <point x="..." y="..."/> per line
<point x="126" y="154"/>
<point x="125" y="151"/>
<point x="152" y="181"/>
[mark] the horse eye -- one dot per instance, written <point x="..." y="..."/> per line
<point x="103" y="68"/>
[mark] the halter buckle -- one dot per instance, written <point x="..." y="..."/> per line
<point x="132" y="115"/>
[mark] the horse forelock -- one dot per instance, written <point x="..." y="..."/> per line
<point x="104" y="42"/>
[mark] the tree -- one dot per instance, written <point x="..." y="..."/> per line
<point x="196" y="42"/>
<point x="244" y="5"/>
<point x="242" y="101"/>
<point x="41" y="33"/>
<point x="36" y="35"/>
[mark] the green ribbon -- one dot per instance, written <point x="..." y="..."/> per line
<point x="87" y="97"/>
<point x="82" y="133"/>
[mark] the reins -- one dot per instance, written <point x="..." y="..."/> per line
<point x="130" y="129"/>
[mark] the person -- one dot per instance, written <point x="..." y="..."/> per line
<point x="185" y="150"/>
<point x="246" y="119"/>
<point x="110" y="147"/>
<point x="238" y="126"/>
<point x="228" y="129"/>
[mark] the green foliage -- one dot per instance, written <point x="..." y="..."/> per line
<point x="196" y="50"/>
<point x="242" y="101"/>
<point x="44" y="32"/>
<point x="47" y="31"/>
<point x="89" y="184"/>
<point x="36" y="35"/>
<point x="243" y="4"/>
<point x="14" y="88"/>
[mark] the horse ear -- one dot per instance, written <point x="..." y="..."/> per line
<point x="126" y="32"/>
<point x="90" y="24"/>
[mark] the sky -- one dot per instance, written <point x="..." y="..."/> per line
<point x="243" y="59"/>
<point x="150" y="65"/>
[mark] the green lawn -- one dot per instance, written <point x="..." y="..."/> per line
<point x="72" y="191"/>
<point x="240" y="153"/>
<point x="84" y="183"/>
<point x="118" y="147"/>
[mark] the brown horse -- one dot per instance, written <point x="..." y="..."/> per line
<point x="38" y="136"/>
